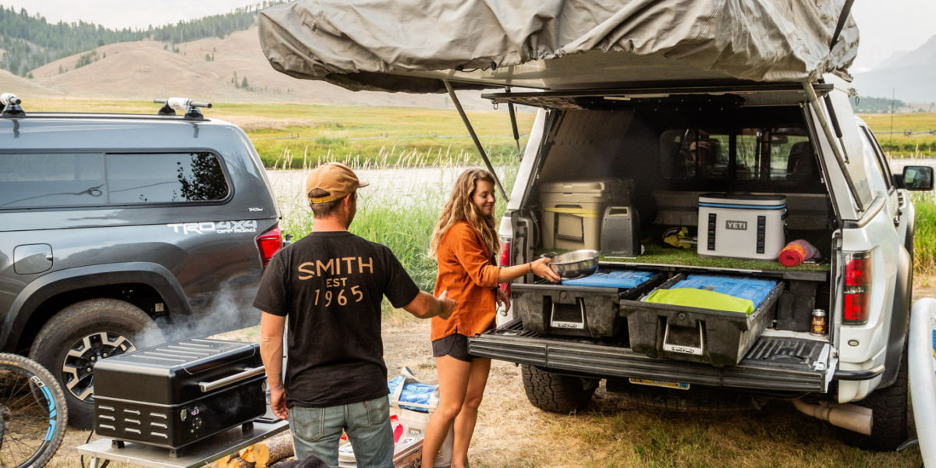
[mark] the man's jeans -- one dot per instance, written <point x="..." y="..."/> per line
<point x="316" y="431"/>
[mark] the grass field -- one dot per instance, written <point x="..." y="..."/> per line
<point x="899" y="144"/>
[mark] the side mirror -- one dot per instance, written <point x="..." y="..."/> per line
<point x="917" y="178"/>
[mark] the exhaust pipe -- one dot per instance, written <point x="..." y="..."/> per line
<point x="847" y="416"/>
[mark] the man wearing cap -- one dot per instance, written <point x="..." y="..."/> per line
<point x="329" y="286"/>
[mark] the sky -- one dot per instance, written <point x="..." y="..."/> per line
<point x="885" y="26"/>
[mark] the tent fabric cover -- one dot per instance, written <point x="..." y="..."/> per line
<point x="381" y="45"/>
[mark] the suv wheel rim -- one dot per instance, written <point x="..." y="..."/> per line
<point x="84" y="354"/>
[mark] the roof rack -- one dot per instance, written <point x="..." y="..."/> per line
<point x="11" y="105"/>
<point x="187" y="105"/>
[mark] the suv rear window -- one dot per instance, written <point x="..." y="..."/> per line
<point x="95" y="179"/>
<point x="164" y="178"/>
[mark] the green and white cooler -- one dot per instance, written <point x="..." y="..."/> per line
<point x="572" y="211"/>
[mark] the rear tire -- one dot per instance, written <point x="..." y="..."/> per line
<point x="556" y="393"/>
<point x="889" y="415"/>
<point x="80" y="335"/>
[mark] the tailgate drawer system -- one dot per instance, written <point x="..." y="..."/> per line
<point x="776" y="362"/>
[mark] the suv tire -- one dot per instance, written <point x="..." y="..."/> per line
<point x="556" y="393"/>
<point x="889" y="409"/>
<point x="79" y="336"/>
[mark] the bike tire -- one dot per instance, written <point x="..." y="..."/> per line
<point x="33" y="413"/>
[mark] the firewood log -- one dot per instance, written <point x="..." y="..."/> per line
<point x="240" y="463"/>
<point x="225" y="460"/>
<point x="248" y="453"/>
<point x="273" y="449"/>
<point x="281" y="462"/>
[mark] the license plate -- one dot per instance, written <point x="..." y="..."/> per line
<point x="660" y="383"/>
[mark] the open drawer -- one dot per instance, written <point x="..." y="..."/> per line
<point x="720" y="338"/>
<point x="585" y="311"/>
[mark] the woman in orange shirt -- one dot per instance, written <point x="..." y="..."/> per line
<point x="464" y="242"/>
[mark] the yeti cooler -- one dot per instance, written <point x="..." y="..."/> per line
<point x="741" y="225"/>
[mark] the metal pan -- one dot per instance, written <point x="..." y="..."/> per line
<point x="575" y="264"/>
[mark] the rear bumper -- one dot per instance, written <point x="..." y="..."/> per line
<point x="513" y="344"/>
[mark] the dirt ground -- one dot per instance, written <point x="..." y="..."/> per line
<point x="512" y="433"/>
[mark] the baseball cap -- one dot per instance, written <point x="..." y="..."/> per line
<point x="335" y="178"/>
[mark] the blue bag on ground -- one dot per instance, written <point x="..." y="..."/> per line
<point x="756" y="290"/>
<point x="413" y="392"/>
<point x="621" y="279"/>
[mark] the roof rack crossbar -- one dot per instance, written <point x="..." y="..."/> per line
<point x="186" y="105"/>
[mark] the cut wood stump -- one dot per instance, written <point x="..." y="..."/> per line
<point x="240" y="463"/>
<point x="273" y="449"/>
<point x="248" y="453"/>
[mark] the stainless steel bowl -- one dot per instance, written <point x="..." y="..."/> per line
<point x="575" y="264"/>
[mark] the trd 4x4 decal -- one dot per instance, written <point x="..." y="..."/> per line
<point x="221" y="227"/>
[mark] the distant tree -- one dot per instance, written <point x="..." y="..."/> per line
<point x="244" y="83"/>
<point x="207" y="57"/>
<point x="61" y="70"/>
<point x="103" y="55"/>
<point x="30" y="76"/>
<point x="100" y="43"/>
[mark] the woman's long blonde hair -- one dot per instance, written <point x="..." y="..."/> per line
<point x="459" y="207"/>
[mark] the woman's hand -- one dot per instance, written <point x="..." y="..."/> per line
<point x="541" y="268"/>
<point x="502" y="299"/>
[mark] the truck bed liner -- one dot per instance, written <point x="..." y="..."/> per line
<point x="774" y="363"/>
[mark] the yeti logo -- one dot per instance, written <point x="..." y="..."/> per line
<point x="736" y="225"/>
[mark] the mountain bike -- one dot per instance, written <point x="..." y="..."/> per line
<point x="34" y="414"/>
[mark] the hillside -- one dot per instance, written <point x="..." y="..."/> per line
<point x="149" y="69"/>
<point x="29" y="41"/>
<point x="22" y="87"/>
<point x="909" y="75"/>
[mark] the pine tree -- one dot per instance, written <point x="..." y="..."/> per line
<point x="244" y="83"/>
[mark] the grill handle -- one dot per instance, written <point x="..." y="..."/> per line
<point x="246" y="374"/>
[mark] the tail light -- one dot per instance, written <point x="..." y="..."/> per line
<point x="269" y="243"/>
<point x="503" y="259"/>
<point x="857" y="288"/>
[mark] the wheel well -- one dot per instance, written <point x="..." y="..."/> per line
<point x="141" y="295"/>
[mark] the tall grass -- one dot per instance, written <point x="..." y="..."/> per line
<point x="924" y="239"/>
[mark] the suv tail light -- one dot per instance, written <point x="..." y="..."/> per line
<point x="857" y="288"/>
<point x="503" y="259"/>
<point x="269" y="243"/>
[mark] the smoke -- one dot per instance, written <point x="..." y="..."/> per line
<point x="229" y="309"/>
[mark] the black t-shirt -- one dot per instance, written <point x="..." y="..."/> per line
<point x="329" y="285"/>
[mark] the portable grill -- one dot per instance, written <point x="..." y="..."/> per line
<point x="175" y="394"/>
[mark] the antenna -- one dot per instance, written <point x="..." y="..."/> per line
<point x="11" y="105"/>
<point x="186" y="105"/>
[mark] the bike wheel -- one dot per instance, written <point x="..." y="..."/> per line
<point x="34" y="414"/>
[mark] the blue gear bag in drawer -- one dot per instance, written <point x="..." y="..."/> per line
<point x="745" y="288"/>
<point x="621" y="279"/>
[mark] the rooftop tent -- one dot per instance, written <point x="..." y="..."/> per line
<point x="410" y="45"/>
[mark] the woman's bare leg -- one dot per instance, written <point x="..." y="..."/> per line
<point x="453" y="383"/>
<point x="468" y="416"/>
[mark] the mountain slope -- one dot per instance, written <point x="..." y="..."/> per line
<point x="909" y="75"/>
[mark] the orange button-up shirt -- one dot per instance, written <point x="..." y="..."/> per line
<point x="468" y="274"/>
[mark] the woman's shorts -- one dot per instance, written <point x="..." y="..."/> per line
<point x="455" y="346"/>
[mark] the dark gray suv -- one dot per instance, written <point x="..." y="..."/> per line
<point x="123" y="230"/>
